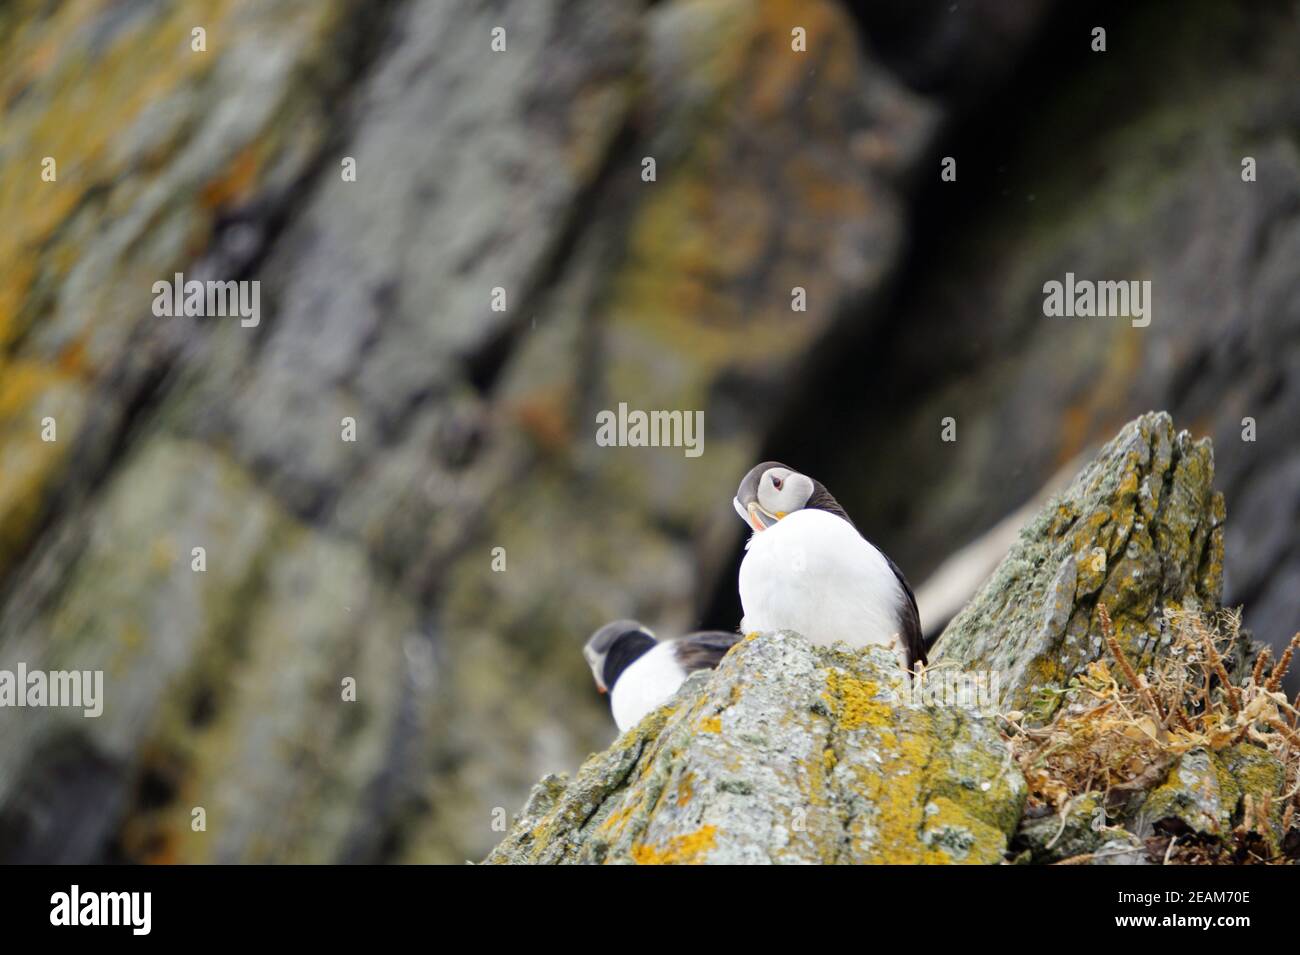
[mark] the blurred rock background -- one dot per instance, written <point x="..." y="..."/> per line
<point x="522" y="171"/>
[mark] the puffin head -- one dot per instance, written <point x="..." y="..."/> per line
<point x="628" y="636"/>
<point x="770" y="491"/>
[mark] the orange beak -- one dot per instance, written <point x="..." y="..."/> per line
<point x="755" y="521"/>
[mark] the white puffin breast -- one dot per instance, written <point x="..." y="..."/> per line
<point x="646" y="684"/>
<point x="813" y="573"/>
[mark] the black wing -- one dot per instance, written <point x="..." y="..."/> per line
<point x="913" y="638"/>
<point x="704" y="650"/>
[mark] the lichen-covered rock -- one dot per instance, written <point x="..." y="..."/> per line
<point x="476" y="171"/>
<point x="1199" y="792"/>
<point x="776" y="170"/>
<point x="240" y="691"/>
<point x="1261" y="778"/>
<point x="157" y="149"/>
<point x="1084" y="834"/>
<point x="787" y="754"/>
<point x="1140" y="530"/>
<point x="1211" y="793"/>
<point x="1081" y="829"/>
<point x="794" y="754"/>
<point x="1227" y="802"/>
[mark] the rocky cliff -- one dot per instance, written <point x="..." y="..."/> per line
<point x="790" y="753"/>
<point x="476" y="171"/>
<point x="522" y="171"/>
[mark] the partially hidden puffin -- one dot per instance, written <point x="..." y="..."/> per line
<point x="639" y="673"/>
<point x="807" y="569"/>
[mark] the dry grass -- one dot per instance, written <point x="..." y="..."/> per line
<point x="1119" y="731"/>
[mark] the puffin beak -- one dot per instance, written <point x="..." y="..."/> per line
<point x="760" y="519"/>
<point x="754" y="515"/>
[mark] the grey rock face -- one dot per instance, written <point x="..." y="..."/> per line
<point x="1140" y="530"/>
<point x="1197" y="794"/>
<point x="475" y="172"/>
<point x="786" y="754"/>
<point x="372" y="560"/>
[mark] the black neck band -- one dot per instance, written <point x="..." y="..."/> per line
<point x="623" y="652"/>
<point x="822" y="500"/>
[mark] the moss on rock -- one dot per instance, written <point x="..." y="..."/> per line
<point x="793" y="753"/>
<point x="789" y="753"/>
<point x="1136" y="530"/>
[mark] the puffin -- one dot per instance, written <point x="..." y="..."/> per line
<point x="640" y="673"/>
<point x="808" y="569"/>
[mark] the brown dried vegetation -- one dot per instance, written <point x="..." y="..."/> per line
<point x="1117" y="732"/>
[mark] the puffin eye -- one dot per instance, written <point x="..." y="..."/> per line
<point x="776" y="482"/>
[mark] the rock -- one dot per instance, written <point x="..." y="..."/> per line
<point x="1140" y="530"/>
<point x="1054" y="837"/>
<point x="776" y="170"/>
<point x="787" y="754"/>
<point x="1261" y="778"/>
<point x="1207" y="793"/>
<point x="474" y="425"/>
<point x="1085" y="834"/>
<point x="226" y="697"/>
<point x="1123" y="850"/>
<point x="791" y="753"/>
<point x="1199" y="792"/>
<point x="158" y="151"/>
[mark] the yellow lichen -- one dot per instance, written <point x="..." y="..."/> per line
<point x="617" y="819"/>
<point x="685" y="789"/>
<point x="829" y="759"/>
<point x="30" y="392"/>
<point x="813" y="774"/>
<point x="854" y="702"/>
<point x="681" y="850"/>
